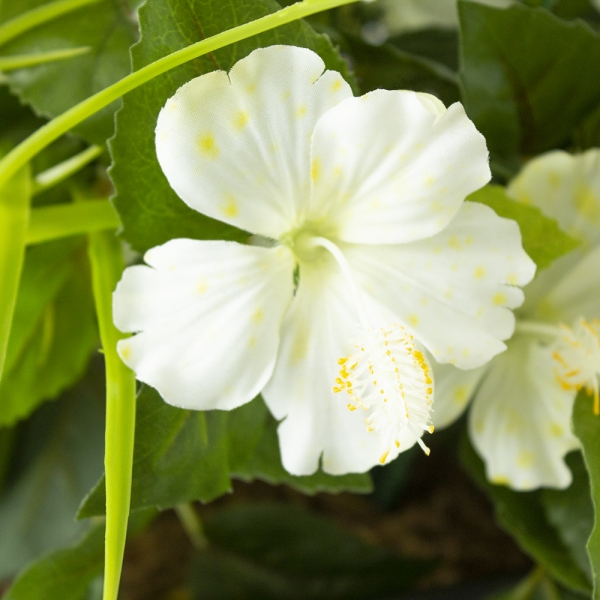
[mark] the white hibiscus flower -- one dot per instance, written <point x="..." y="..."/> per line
<point x="521" y="413"/>
<point x="361" y="201"/>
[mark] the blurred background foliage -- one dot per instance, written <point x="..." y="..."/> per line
<point x="527" y="73"/>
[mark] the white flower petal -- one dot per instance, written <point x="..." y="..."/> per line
<point x="578" y="292"/>
<point x="387" y="168"/>
<point x="565" y="187"/>
<point x="237" y="147"/>
<point x="453" y="290"/>
<point x="520" y="419"/>
<point x="315" y="333"/>
<point x="209" y="315"/>
<point x="453" y="390"/>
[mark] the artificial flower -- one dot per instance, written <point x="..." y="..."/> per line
<point x="520" y="419"/>
<point x="364" y="254"/>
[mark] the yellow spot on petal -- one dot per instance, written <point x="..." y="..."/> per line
<point x="230" y="208"/>
<point x="258" y="316"/>
<point x="460" y="395"/>
<point x="315" y="170"/>
<point x="499" y="299"/>
<point x="413" y="319"/>
<point x="201" y="287"/>
<point x="429" y="181"/>
<point x="424" y="301"/>
<point x="301" y="111"/>
<point x="500" y="480"/>
<point x="252" y="342"/>
<point x="241" y="119"/>
<point x="512" y="279"/>
<point x="588" y="203"/>
<point x="251" y="88"/>
<point x="336" y="86"/>
<point x="525" y="459"/>
<point x="208" y="146"/>
<point x="556" y="430"/>
<point x="554" y="179"/>
<point x="454" y="243"/>
<point x="479" y="272"/>
<point x="125" y="352"/>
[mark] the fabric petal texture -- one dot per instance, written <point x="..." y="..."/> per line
<point x="453" y="290"/>
<point x="207" y="316"/>
<point x="389" y="167"/>
<point x="565" y="187"/>
<point x="236" y="146"/>
<point x="317" y="423"/>
<point x="520" y="419"/>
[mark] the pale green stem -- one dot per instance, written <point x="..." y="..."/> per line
<point x="38" y="16"/>
<point x="15" y="197"/>
<point x="526" y="589"/>
<point x="537" y="328"/>
<point x="191" y="523"/>
<point x="107" y="264"/>
<point x="55" y="175"/>
<point x="22" y="61"/>
<point x="72" y="117"/>
<point x="63" y="220"/>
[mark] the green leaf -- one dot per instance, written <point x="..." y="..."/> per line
<point x="59" y="452"/>
<point x="150" y="210"/>
<point x="529" y="79"/>
<point x="106" y="27"/>
<point x="182" y="455"/>
<point x="543" y="239"/>
<point x="390" y="68"/>
<point x="586" y="427"/>
<point x="54" y="331"/>
<point x="522" y="514"/>
<point x="68" y="573"/>
<point x="277" y="552"/>
<point x="571" y="512"/>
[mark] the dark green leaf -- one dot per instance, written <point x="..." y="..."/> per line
<point x="150" y="210"/>
<point x="182" y="456"/>
<point x="59" y="456"/>
<point x="283" y="552"/>
<point x="106" y="27"/>
<point x="586" y="426"/>
<point x="529" y="79"/>
<point x="54" y="329"/>
<point x="522" y="514"/>
<point x="543" y="240"/>
<point x="390" y="68"/>
<point x="571" y="512"/>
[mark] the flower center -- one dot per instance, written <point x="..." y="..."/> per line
<point x="577" y="358"/>
<point x="387" y="376"/>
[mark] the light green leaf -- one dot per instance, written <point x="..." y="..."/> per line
<point x="54" y="331"/>
<point x="60" y="453"/>
<point x="150" y="210"/>
<point x="278" y="552"/>
<point x="543" y="239"/>
<point x="586" y="427"/>
<point x="522" y="514"/>
<point x="521" y="87"/>
<point x="181" y="456"/>
<point x="108" y="28"/>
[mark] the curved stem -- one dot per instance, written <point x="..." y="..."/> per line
<point x="37" y="16"/>
<point x="107" y="266"/>
<point x="72" y="117"/>
<point x="22" y="61"/>
<point x="190" y="521"/>
<point x="537" y="328"/>
<point x="14" y="216"/>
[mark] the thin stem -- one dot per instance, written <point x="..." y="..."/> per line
<point x="191" y="523"/>
<point x="339" y="257"/>
<point x="72" y="117"/>
<point x="107" y="266"/>
<point x="55" y="175"/>
<point x="526" y="589"/>
<point x="15" y="197"/>
<point x="63" y="220"/>
<point x="537" y="328"/>
<point x="38" y="16"/>
<point x="22" y="61"/>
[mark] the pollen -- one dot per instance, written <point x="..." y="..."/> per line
<point x="390" y="380"/>
<point x="576" y="355"/>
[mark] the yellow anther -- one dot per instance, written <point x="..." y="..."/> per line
<point x="383" y="457"/>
